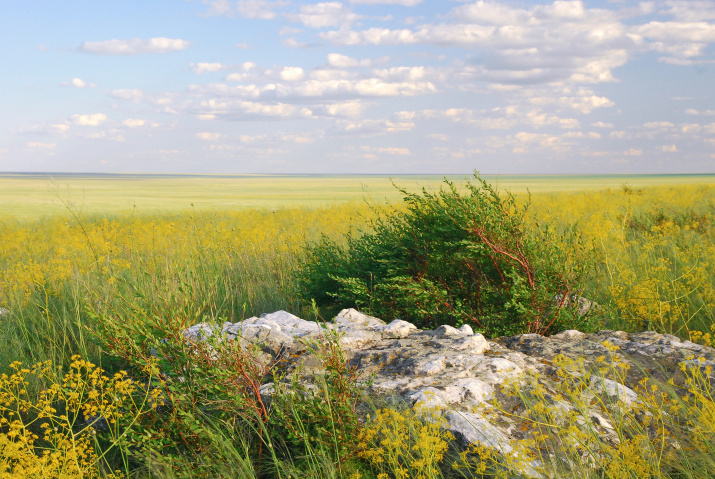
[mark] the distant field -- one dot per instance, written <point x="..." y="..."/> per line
<point x="32" y="196"/>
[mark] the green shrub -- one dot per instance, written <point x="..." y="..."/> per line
<point x="452" y="257"/>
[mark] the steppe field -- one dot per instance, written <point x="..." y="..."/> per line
<point x="83" y="256"/>
<point x="33" y="196"/>
<point x="69" y="238"/>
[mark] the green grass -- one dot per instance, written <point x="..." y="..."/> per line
<point x="33" y="196"/>
<point x="233" y="255"/>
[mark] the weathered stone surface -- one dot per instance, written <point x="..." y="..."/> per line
<point x="459" y="371"/>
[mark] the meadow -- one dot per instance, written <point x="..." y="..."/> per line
<point x="30" y="197"/>
<point x="212" y="249"/>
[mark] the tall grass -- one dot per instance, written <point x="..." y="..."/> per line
<point x="236" y="264"/>
<point x="655" y="255"/>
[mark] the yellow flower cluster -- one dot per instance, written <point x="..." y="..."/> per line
<point x="52" y="435"/>
<point x="47" y="254"/>
<point x="655" y="252"/>
<point x="406" y="444"/>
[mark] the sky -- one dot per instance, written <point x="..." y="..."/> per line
<point x="358" y="87"/>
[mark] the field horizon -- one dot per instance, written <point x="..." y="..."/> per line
<point x="29" y="196"/>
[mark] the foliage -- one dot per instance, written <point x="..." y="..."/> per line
<point x="406" y="444"/>
<point x="321" y="415"/>
<point x="238" y="263"/>
<point x="655" y="251"/>
<point x="453" y="258"/>
<point x="191" y="408"/>
<point x="56" y="434"/>
<point x="610" y="431"/>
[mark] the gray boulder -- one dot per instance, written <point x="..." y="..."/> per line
<point x="460" y="372"/>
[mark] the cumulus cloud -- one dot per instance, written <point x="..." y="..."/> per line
<point x="259" y="9"/>
<point x="135" y="46"/>
<point x="404" y="3"/>
<point x="395" y="151"/>
<point x="133" y="123"/>
<point x="347" y="109"/>
<point x="323" y="15"/>
<point x="338" y="60"/>
<point x="36" y="144"/>
<point x="79" y="83"/>
<point x="658" y="124"/>
<point x="108" y="135"/>
<point x="200" y="68"/>
<point x="692" y="111"/>
<point x="218" y="7"/>
<point x="374" y="127"/>
<point x="438" y="136"/>
<point x="207" y="136"/>
<point x="292" y="74"/>
<point x="128" y="94"/>
<point x="89" y="120"/>
<point x="562" y="40"/>
<point x="669" y="148"/>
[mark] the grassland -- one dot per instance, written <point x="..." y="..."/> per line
<point x="33" y="196"/>
<point x="128" y="245"/>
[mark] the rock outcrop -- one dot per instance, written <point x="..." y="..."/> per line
<point x="459" y="371"/>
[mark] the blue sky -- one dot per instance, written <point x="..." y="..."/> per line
<point x="361" y="86"/>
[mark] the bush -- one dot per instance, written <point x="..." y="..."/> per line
<point x="452" y="257"/>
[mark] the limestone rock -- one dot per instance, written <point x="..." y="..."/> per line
<point x="459" y="371"/>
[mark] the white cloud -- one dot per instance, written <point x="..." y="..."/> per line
<point x="238" y="109"/>
<point x="59" y="128"/>
<point x="133" y="123"/>
<point x="110" y="135"/>
<point x="404" y="3"/>
<point x="218" y="7"/>
<point x="690" y="128"/>
<point x="258" y="9"/>
<point x="690" y="10"/>
<point x="294" y="43"/>
<point x="200" y="68"/>
<point x="620" y="134"/>
<point x="692" y="111"/>
<point x="128" y="94"/>
<point x="601" y="124"/>
<point x="633" y="152"/>
<point x="135" y="46"/>
<point x="35" y="144"/>
<point x="374" y="127"/>
<point x="323" y="15"/>
<point x="289" y="31"/>
<point x="348" y="109"/>
<point x="207" y="136"/>
<point x="563" y="40"/>
<point x="669" y="148"/>
<point x="301" y="139"/>
<point x="292" y="74"/>
<point x="395" y="151"/>
<point x="386" y="150"/>
<point x="337" y="60"/>
<point x="79" y="83"/>
<point x="438" y="136"/>
<point x="658" y="124"/>
<point x="584" y="104"/>
<point x="89" y="120"/>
